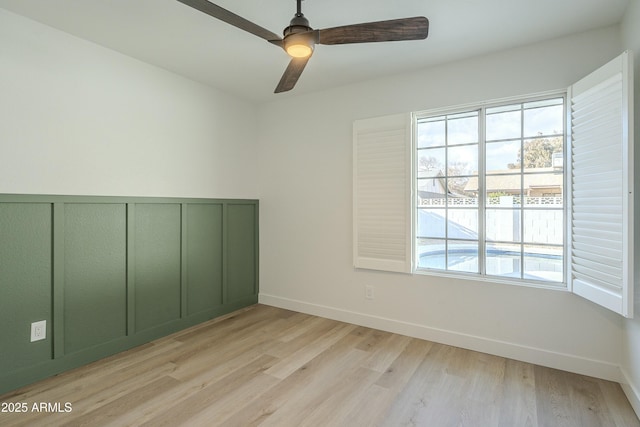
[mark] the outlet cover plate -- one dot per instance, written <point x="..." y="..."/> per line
<point x="369" y="292"/>
<point x="38" y="330"/>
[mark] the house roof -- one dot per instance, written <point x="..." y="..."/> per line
<point x="505" y="180"/>
<point x="430" y="173"/>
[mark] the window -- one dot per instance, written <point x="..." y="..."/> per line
<point x="493" y="192"/>
<point x="499" y="207"/>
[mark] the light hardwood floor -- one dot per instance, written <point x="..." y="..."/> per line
<point x="271" y="367"/>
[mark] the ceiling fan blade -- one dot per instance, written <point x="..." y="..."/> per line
<point x="292" y="74"/>
<point x="416" y="28"/>
<point x="233" y="19"/>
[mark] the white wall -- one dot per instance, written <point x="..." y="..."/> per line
<point x="76" y="118"/>
<point x="306" y="216"/>
<point x="631" y="333"/>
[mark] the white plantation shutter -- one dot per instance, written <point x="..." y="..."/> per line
<point x="602" y="186"/>
<point x="382" y="193"/>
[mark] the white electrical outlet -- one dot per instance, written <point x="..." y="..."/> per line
<point x="368" y="292"/>
<point x="38" y="330"/>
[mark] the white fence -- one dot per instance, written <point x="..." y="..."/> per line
<point x="503" y="201"/>
<point x="542" y="226"/>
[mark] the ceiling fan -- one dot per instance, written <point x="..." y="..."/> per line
<point x="299" y="39"/>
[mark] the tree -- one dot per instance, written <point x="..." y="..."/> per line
<point x="538" y="153"/>
<point x="456" y="183"/>
<point x="429" y="163"/>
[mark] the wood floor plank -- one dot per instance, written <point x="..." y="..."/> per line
<point x="518" y="402"/>
<point x="217" y="400"/>
<point x="616" y="402"/>
<point x="85" y="387"/>
<point x="337" y="402"/>
<point x="299" y="337"/>
<point x="376" y="340"/>
<point x="223" y="357"/>
<point x="264" y="366"/>
<point x="369" y="410"/>
<point x="382" y="358"/>
<point x="129" y="402"/>
<point x="411" y="398"/>
<point x="441" y="389"/>
<point x="405" y="364"/>
<point x="487" y="378"/>
<point x="319" y="373"/>
<point x="295" y="360"/>
<point x="295" y="409"/>
<point x="293" y="327"/>
<point x="566" y="399"/>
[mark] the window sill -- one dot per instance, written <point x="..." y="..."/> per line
<point x="493" y="279"/>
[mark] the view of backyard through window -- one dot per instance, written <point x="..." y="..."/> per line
<point x="490" y="191"/>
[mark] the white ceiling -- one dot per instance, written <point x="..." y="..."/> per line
<point x="178" y="38"/>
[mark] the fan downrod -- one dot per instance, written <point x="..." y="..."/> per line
<point x="298" y="23"/>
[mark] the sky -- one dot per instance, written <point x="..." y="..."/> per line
<point x="507" y="126"/>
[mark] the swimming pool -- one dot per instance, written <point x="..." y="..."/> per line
<point x="502" y="260"/>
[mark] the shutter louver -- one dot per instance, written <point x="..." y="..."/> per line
<point x="602" y="184"/>
<point x="382" y="193"/>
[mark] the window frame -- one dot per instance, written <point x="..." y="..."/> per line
<point x="482" y="206"/>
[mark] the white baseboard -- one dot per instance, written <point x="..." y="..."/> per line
<point x="551" y="359"/>
<point x="632" y="391"/>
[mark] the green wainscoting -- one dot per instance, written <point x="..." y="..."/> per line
<point x="95" y="275"/>
<point x="111" y="273"/>
<point x="243" y="265"/>
<point x="157" y="247"/>
<point x="204" y="257"/>
<point x="25" y="283"/>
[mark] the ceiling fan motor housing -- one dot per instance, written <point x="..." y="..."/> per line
<point x="299" y="24"/>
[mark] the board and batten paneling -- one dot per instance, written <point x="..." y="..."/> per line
<point x="95" y="274"/>
<point x="241" y="264"/>
<point x="25" y="282"/>
<point x="204" y="257"/>
<point x="110" y="273"/>
<point x="157" y="264"/>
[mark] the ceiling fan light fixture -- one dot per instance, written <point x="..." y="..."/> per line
<point x="299" y="50"/>
<point x="299" y="45"/>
